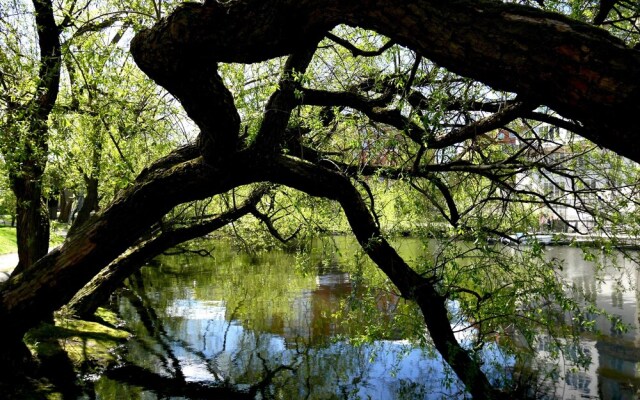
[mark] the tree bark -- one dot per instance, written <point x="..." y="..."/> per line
<point x="190" y="29"/>
<point x="578" y="70"/>
<point x="66" y="204"/>
<point x="90" y="204"/>
<point x="32" y="231"/>
<point x="26" y="150"/>
<point x="32" y="295"/>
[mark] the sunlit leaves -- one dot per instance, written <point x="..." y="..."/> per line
<point x="111" y="121"/>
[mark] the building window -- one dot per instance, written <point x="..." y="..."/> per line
<point x="553" y="189"/>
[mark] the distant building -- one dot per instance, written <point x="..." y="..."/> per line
<point x="577" y="184"/>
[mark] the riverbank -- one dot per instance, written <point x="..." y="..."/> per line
<point x="627" y="242"/>
<point x="619" y="241"/>
<point x="69" y="352"/>
<point x="9" y="247"/>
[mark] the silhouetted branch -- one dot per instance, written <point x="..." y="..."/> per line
<point x="356" y="51"/>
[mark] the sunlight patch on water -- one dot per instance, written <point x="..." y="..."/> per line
<point x="197" y="309"/>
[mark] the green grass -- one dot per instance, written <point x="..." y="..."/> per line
<point x="84" y="341"/>
<point x="8" y="242"/>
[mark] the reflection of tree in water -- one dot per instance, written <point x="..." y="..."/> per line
<point x="303" y="363"/>
<point x="618" y="369"/>
<point x="578" y="380"/>
<point x="219" y="366"/>
<point x="260" y="322"/>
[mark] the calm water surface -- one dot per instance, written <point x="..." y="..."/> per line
<point x="614" y="370"/>
<point x="268" y="322"/>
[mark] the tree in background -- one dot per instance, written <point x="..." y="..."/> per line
<point x="28" y="98"/>
<point x="78" y="50"/>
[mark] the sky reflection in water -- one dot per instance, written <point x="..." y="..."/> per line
<point x="221" y="324"/>
<point x="235" y="319"/>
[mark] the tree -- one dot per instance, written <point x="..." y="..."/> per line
<point x="104" y="135"/>
<point x="587" y="76"/>
<point x="25" y="134"/>
<point x="67" y="42"/>
<point x="86" y="301"/>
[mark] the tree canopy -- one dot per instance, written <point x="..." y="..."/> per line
<point x="325" y="97"/>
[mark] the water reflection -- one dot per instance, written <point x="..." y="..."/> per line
<point x="611" y="354"/>
<point x="242" y="321"/>
<point x="255" y="324"/>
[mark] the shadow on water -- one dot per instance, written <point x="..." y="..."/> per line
<point x="59" y="370"/>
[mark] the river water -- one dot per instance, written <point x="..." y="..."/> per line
<point x="614" y="370"/>
<point x="275" y="323"/>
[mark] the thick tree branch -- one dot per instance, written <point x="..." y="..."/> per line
<point x="370" y="107"/>
<point x="111" y="232"/>
<point x="394" y="118"/>
<point x="507" y="114"/>
<point x="97" y="26"/>
<point x="454" y="215"/>
<point x="356" y="51"/>
<point x="50" y="59"/>
<point x="180" y="155"/>
<point x="205" y="98"/>
<point x="283" y="101"/>
<point x="556" y="121"/>
<point x="421" y="102"/>
<point x="578" y="70"/>
<point x="498" y="170"/>
<point x="26" y="149"/>
<point x="603" y="11"/>
<point x="322" y="182"/>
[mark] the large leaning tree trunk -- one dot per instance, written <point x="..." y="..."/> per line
<point x="25" y="145"/>
<point x="96" y="292"/>
<point x="581" y="72"/>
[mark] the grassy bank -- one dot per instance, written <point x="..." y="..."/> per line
<point x="8" y="240"/>
<point x="69" y="353"/>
